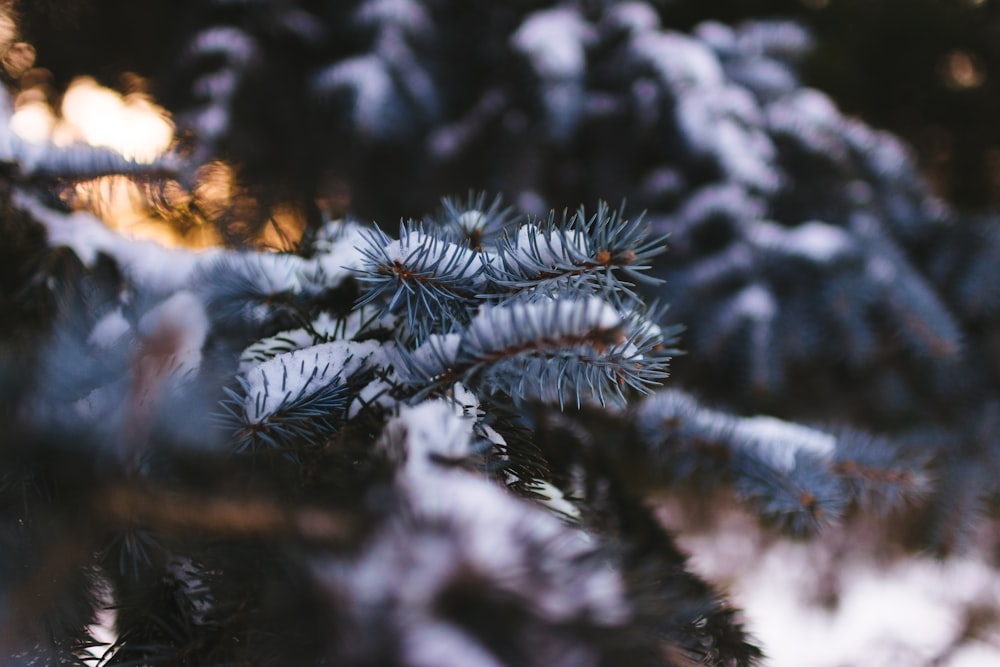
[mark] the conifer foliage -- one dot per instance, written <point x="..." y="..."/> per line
<point x="435" y="443"/>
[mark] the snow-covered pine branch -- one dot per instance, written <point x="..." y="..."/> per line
<point x="432" y="280"/>
<point x="600" y="254"/>
<point x="473" y="221"/>
<point x="796" y="476"/>
<point x="564" y="350"/>
<point x="297" y="397"/>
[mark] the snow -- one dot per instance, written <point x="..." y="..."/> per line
<point x="975" y="654"/>
<point x="902" y="612"/>
<point x="816" y="241"/>
<point x="458" y="528"/>
<point x="266" y="348"/>
<point x="274" y="272"/>
<point x="778" y="442"/>
<point x="301" y="373"/>
<point x="100" y="404"/>
<point x="433" y="429"/>
<point x="776" y="39"/>
<point x="373" y="89"/>
<point x="819" y="242"/>
<point x="465" y="399"/>
<point x="193" y="588"/>
<point x="814" y="108"/>
<point x="499" y="327"/>
<point x="377" y="393"/>
<point x="183" y="314"/>
<point x="636" y="17"/>
<point x="755" y="302"/>
<point x="810" y="117"/>
<point x="470" y="221"/>
<point x="746" y="154"/>
<point x="336" y="262"/>
<point x="774" y="441"/>
<point x="407" y="15"/>
<point x="553" y="41"/>
<point x="725" y="122"/>
<point x="886" y="154"/>
<point x="493" y="534"/>
<point x="109" y="329"/>
<point x="769" y="80"/>
<point x="681" y="62"/>
<point x="151" y="265"/>
<point x="421" y="252"/>
<point x="553" y="498"/>
<point x="719" y="36"/>
<point x="727" y="200"/>
<point x="444" y="645"/>
<point x="297" y="339"/>
<point x="232" y="42"/>
<point x="181" y="321"/>
<point x="499" y="532"/>
<point x="435" y="355"/>
<point x="531" y="245"/>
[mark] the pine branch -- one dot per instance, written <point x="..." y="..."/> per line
<point x="554" y="351"/>
<point x="580" y="254"/>
<point x="472" y="221"/>
<point x="798" y="477"/>
<point x="295" y="398"/>
<point x="434" y="281"/>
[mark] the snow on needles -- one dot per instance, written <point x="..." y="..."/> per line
<point x="298" y="374"/>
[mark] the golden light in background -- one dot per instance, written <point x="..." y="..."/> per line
<point x="8" y="29"/>
<point x="17" y="58"/>
<point x="130" y="124"/>
<point x="133" y="125"/>
<point x="962" y="70"/>
<point x="93" y="114"/>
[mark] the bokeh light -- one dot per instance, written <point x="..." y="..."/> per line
<point x="132" y="124"/>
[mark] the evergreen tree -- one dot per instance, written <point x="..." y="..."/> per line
<point x="434" y="443"/>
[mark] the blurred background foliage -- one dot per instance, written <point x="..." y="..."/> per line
<point x="926" y="70"/>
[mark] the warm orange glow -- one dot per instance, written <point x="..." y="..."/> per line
<point x="214" y="190"/>
<point x="962" y="70"/>
<point x="18" y="58"/>
<point x="133" y="125"/>
<point x="90" y="113"/>
<point x="8" y="29"/>
<point x="284" y="231"/>
<point x="122" y="205"/>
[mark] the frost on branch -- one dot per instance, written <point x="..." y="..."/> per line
<point x="796" y="476"/>
<point x="553" y="351"/>
<point x="298" y="396"/>
<point x="547" y="313"/>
